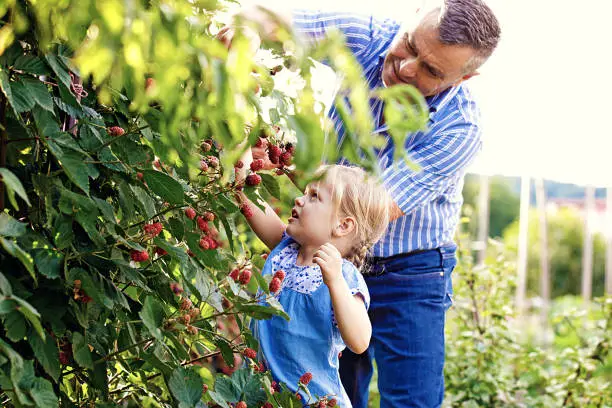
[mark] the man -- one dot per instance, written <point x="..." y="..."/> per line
<point x="409" y="275"/>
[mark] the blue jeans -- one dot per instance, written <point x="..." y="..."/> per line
<point x="410" y="294"/>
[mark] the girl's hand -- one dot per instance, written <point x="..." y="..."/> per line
<point x="330" y="261"/>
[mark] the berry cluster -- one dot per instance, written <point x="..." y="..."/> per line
<point x="152" y="230"/>
<point x="116" y="131"/>
<point x="188" y="312"/>
<point x="79" y="294"/>
<point x="139" y="256"/>
<point x="276" y="282"/>
<point x="242" y="276"/>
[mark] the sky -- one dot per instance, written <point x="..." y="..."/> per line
<point x="544" y="94"/>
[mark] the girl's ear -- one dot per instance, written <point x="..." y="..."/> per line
<point x="346" y="226"/>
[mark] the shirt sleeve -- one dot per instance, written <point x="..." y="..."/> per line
<point x="358" y="29"/>
<point x="441" y="157"/>
<point x="355" y="282"/>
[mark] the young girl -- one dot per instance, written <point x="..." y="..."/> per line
<point x="320" y="249"/>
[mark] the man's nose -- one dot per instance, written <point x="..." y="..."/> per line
<point x="408" y="67"/>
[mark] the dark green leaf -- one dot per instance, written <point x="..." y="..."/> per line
<point x="146" y="202"/>
<point x="63" y="232"/>
<point x="177" y="228"/>
<point x="42" y="394"/>
<point x="81" y="352"/>
<point x="227" y="389"/>
<point x="152" y="316"/>
<point x="22" y="99"/>
<point x="186" y="386"/>
<point x="48" y="261"/>
<point x="5" y="286"/>
<point x="175" y="252"/>
<point x="13" y="185"/>
<point x="271" y="184"/>
<point x="226" y="351"/>
<point x="15" y="250"/>
<point x="31" y="65"/>
<point x="164" y="186"/>
<point x="10" y="227"/>
<point x="47" y="354"/>
<point x="31" y="314"/>
<point x="59" y="69"/>
<point x="15" y="326"/>
<point x="39" y="93"/>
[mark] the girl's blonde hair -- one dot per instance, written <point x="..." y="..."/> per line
<point x="356" y="194"/>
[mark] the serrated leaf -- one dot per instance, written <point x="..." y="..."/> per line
<point x="15" y="326"/>
<point x="10" y="227"/>
<point x="47" y="354"/>
<point x="59" y="69"/>
<point x="175" y="252"/>
<point x="81" y="352"/>
<point x="13" y="185"/>
<point x="5" y="286"/>
<point x="49" y="262"/>
<point x="226" y="351"/>
<point x="31" y="65"/>
<point x="76" y="170"/>
<point x="146" y="202"/>
<point x="164" y="186"/>
<point x="30" y="313"/>
<point x="226" y="389"/>
<point x="15" y="250"/>
<point x="271" y="184"/>
<point x="152" y="316"/>
<point x="186" y="386"/>
<point x="22" y="99"/>
<point x="42" y="393"/>
<point x="39" y="93"/>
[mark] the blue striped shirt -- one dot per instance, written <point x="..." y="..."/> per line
<point x="430" y="198"/>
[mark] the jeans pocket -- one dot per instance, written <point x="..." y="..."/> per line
<point x="427" y="286"/>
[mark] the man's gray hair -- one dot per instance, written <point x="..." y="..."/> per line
<point x="469" y="23"/>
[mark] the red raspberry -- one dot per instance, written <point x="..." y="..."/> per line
<point x="280" y="274"/>
<point x="234" y="274"/>
<point x="260" y="142"/>
<point x="239" y="164"/>
<point x="203" y="166"/>
<point x="157" y="164"/>
<point x="290" y="148"/>
<point x="185" y="319"/>
<point x="190" y="253"/>
<point x="332" y="402"/>
<point x="64" y="358"/>
<point x="202" y="224"/>
<point x="298" y="396"/>
<point x="85" y="298"/>
<point x="190" y="213"/>
<point x="285" y="158"/>
<point x="208" y="216"/>
<point x="176" y="288"/>
<point x="214" y="232"/>
<point x="306" y="378"/>
<point x="264" y="256"/>
<point x="257" y="165"/>
<point x="241" y="404"/>
<point x="212" y="161"/>
<point x="116" y="131"/>
<point x="153" y="230"/>
<point x="139" y="176"/>
<point x="139" y="256"/>
<point x="275" y="285"/>
<point x="274" y="153"/>
<point x="246" y="211"/>
<point x="322" y="404"/>
<point x="267" y="405"/>
<point x="253" y="179"/>
<point x="250" y="353"/>
<point x="260" y="368"/>
<point x="160" y="251"/>
<point x="204" y="243"/>
<point x="245" y="277"/>
<point x="205" y="388"/>
<point x="280" y="172"/>
<point x="276" y="386"/>
<point x="206" y="146"/>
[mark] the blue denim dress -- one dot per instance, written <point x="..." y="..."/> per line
<point x="310" y="341"/>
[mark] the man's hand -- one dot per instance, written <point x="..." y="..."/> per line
<point x="329" y="260"/>
<point x="226" y="36"/>
<point x="261" y="153"/>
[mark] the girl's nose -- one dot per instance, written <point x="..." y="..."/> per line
<point x="299" y="201"/>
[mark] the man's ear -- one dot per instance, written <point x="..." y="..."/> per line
<point x="346" y="226"/>
<point x="470" y="75"/>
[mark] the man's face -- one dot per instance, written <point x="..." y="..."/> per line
<point x="419" y="58"/>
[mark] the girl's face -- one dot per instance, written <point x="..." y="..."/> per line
<point x="313" y="216"/>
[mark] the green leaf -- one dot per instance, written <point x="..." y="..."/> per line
<point x="152" y="316"/>
<point x="261" y="282"/>
<point x="31" y="65"/>
<point x="22" y="99"/>
<point x="59" y="69"/>
<point x="7" y="305"/>
<point x="39" y="93"/>
<point x="30" y="313"/>
<point x="202" y="284"/>
<point x="5" y="286"/>
<point x="81" y="352"/>
<point x="15" y="326"/>
<point x="13" y="185"/>
<point x="42" y="393"/>
<point x="177" y="228"/>
<point x="178" y="253"/>
<point x="226" y="351"/>
<point x="63" y="232"/>
<point x="226" y="389"/>
<point x="47" y="354"/>
<point x="164" y="186"/>
<point x="146" y="202"/>
<point x="6" y="87"/>
<point x="92" y="285"/>
<point x="218" y="398"/>
<point x="226" y="204"/>
<point x="48" y="261"/>
<point x="10" y="227"/>
<point x="13" y="249"/>
<point x="76" y="170"/>
<point x="186" y="386"/>
<point x="91" y="138"/>
<point x="271" y="184"/>
<point x="230" y="231"/>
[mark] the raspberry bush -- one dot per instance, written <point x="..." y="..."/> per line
<point x="122" y="279"/>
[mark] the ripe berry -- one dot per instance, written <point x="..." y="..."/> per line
<point x="203" y="166"/>
<point x="190" y="213"/>
<point x="298" y="396"/>
<point x="186" y="304"/>
<point x="332" y="402"/>
<point x="190" y="253"/>
<point x="176" y="288"/>
<point x="64" y="358"/>
<point x="208" y="216"/>
<point x="239" y="164"/>
<point x="241" y="404"/>
<point x="280" y="172"/>
<point x="185" y="319"/>
<point x="205" y="388"/>
<point x="290" y="148"/>
<point x="139" y="256"/>
<point x="275" y="285"/>
<point x="194" y="312"/>
<point x="264" y="256"/>
<point x="212" y="161"/>
<point x="154" y="229"/>
<point x="245" y="277"/>
<point x="274" y="153"/>
<point x="246" y="211"/>
<point x="267" y="405"/>
<point x="280" y="274"/>
<point x="139" y="176"/>
<point x="160" y="251"/>
<point x="206" y="146"/>
<point x="322" y="404"/>
<point x="234" y="274"/>
<point x="250" y="353"/>
<point x="157" y="164"/>
<point x="204" y="243"/>
<point x="116" y="131"/>
<point x="253" y="179"/>
<point x="260" y="368"/>
<point x="276" y="386"/>
<point x="285" y="158"/>
<point x="202" y="224"/>
<point x="260" y="142"/>
<point x="306" y="378"/>
<point x="257" y="165"/>
<point x="85" y="299"/>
